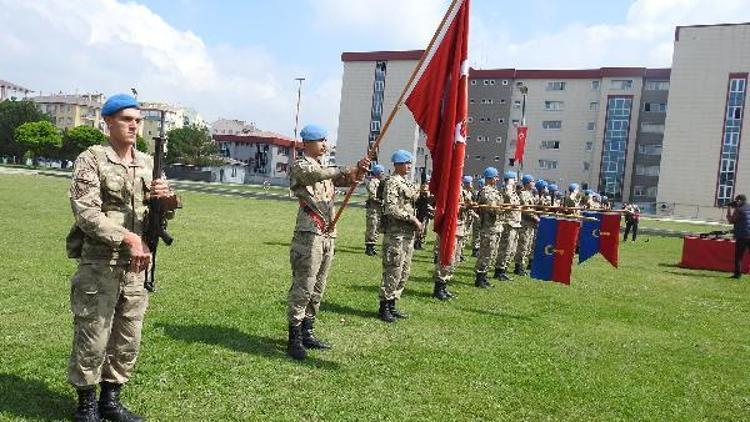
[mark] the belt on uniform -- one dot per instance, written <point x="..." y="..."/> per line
<point x="316" y="218"/>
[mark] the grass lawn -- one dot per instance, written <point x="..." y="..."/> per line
<point x="648" y="341"/>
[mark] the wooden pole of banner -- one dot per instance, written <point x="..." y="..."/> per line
<point x="394" y="111"/>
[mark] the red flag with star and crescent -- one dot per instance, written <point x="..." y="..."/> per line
<point x="439" y="103"/>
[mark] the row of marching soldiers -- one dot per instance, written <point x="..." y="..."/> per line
<point x="499" y="216"/>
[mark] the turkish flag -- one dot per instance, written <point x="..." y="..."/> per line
<point x="609" y="240"/>
<point x="439" y="103"/>
<point x="520" y="143"/>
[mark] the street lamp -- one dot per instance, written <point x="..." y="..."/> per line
<point x="296" y="122"/>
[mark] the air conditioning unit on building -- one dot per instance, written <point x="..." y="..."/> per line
<point x="664" y="208"/>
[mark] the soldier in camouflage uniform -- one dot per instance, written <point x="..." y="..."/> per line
<point x="529" y="221"/>
<point x="373" y="210"/>
<point x="109" y="193"/>
<point x="512" y="220"/>
<point x="425" y="213"/>
<point x="571" y="199"/>
<point x="491" y="226"/>
<point x="312" y="248"/>
<point x="399" y="226"/>
<point x="466" y="214"/>
<point x="476" y="224"/>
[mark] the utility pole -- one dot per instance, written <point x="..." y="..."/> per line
<point x="296" y="122"/>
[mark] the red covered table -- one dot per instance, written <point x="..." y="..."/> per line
<point x="711" y="254"/>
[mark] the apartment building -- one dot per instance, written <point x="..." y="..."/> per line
<point x="10" y="90"/>
<point x="71" y="110"/>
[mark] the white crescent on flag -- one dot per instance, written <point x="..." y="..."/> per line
<point x="460" y="135"/>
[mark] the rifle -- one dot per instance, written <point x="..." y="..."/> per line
<point x="156" y="227"/>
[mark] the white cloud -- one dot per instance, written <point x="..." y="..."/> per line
<point x="107" y="46"/>
<point x="644" y="38"/>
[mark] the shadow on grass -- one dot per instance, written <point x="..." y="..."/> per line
<point x="348" y="310"/>
<point x="285" y="244"/>
<point x="234" y="339"/>
<point x="668" y="265"/>
<point x="693" y="273"/>
<point x="499" y="314"/>
<point x="29" y="398"/>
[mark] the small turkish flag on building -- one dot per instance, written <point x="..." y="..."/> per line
<point x="520" y="143"/>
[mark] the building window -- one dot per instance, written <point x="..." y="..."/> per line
<point x="641" y="170"/>
<point x="731" y="141"/>
<point x="501" y="120"/>
<point x="492" y="82"/>
<point x="590" y="125"/>
<point x="505" y="82"/>
<point x="477" y="157"/>
<point x="617" y="129"/>
<point x="516" y="103"/>
<point x="586" y="166"/>
<point x="550" y="145"/>
<point x="639" y="190"/>
<point x="471" y="101"/>
<point x="376" y="111"/>
<point x="594" y="106"/>
<point x="651" y="191"/>
<point x="655" y="107"/>
<point x="547" y="164"/>
<point x="470" y="119"/>
<point x="589" y="146"/>
<point x="595" y="85"/>
<point x="553" y="105"/>
<point x="497" y="158"/>
<point x="555" y="86"/>
<point x="657" y="86"/>
<point x="649" y="149"/>
<point x="499" y="139"/>
<point x="552" y="124"/>
<point x="520" y="83"/>
<point x="486" y="82"/>
<point x="473" y="81"/>
<point x="515" y="122"/>
<point x="502" y="101"/>
<point x="622" y="84"/>
<point x="647" y="127"/>
<point x="490" y="101"/>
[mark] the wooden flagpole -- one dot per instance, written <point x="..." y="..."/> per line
<point x="394" y="111"/>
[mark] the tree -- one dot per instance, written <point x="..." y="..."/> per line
<point x="40" y="138"/>
<point x="140" y="144"/>
<point x="78" y="139"/>
<point x="192" y="145"/>
<point x="12" y="115"/>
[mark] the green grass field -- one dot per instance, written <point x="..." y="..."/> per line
<point x="648" y="341"/>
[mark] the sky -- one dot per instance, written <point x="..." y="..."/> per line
<point x="239" y="59"/>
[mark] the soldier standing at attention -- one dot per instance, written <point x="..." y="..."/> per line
<point x="399" y="225"/>
<point x="425" y="212"/>
<point x="109" y="193"/>
<point x="512" y="223"/>
<point x="527" y="231"/>
<point x="465" y="216"/>
<point x="572" y="199"/>
<point x="373" y="210"/>
<point x="553" y="194"/>
<point x="312" y="247"/>
<point x="476" y="225"/>
<point x="491" y="226"/>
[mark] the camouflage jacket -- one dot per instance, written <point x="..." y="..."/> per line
<point x="512" y="218"/>
<point x="570" y="200"/>
<point x="109" y="198"/>
<point x="489" y="219"/>
<point x="527" y="197"/>
<point x="372" y="193"/>
<point x="313" y="185"/>
<point x="544" y="200"/>
<point x="465" y="213"/>
<point x="399" y="197"/>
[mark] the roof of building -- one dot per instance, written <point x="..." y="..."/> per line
<point x="510" y="73"/>
<point x="259" y="137"/>
<point x="77" y="99"/>
<point x="15" y="87"/>
<point x="677" y="29"/>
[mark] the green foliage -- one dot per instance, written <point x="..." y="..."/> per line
<point x="140" y="144"/>
<point x="14" y="114"/>
<point x="648" y="341"/>
<point x="78" y="139"/>
<point x="192" y="145"/>
<point x="41" y="138"/>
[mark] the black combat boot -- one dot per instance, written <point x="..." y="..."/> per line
<point x="88" y="409"/>
<point x="475" y="252"/>
<point x="447" y="292"/>
<point x="384" y="313"/>
<point x="501" y="275"/>
<point x="110" y="407"/>
<point x="520" y="271"/>
<point x="295" y="349"/>
<point x="370" y="249"/>
<point x="438" y="292"/>
<point x="395" y="312"/>
<point x="481" y="281"/>
<point x="308" y="337"/>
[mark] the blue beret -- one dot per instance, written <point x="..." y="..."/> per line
<point x="401" y="156"/>
<point x="588" y="192"/>
<point x="490" y="172"/>
<point x="509" y="175"/>
<point x="118" y="102"/>
<point x="527" y="178"/>
<point x="313" y="133"/>
<point x="604" y="198"/>
<point x="378" y="169"/>
<point x="540" y="185"/>
<point x="572" y="187"/>
<point x="553" y="188"/>
<point x="468" y="179"/>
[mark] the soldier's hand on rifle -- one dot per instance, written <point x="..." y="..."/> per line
<point x="417" y="223"/>
<point x="140" y="255"/>
<point x="160" y="189"/>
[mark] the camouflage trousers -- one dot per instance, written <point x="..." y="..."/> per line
<point x="108" y="304"/>
<point x="508" y="247"/>
<point x="488" y="247"/>
<point x="311" y="256"/>
<point x="421" y="236"/>
<point x="526" y="237"/>
<point x="372" y="225"/>
<point x="475" y="236"/>
<point x="398" y="248"/>
<point x="444" y="274"/>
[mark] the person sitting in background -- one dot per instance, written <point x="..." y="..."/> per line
<point x="738" y="214"/>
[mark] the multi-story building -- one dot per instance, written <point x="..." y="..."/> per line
<point x="175" y="117"/>
<point x="232" y="127"/>
<point x="704" y="164"/>
<point x="372" y="84"/>
<point x="9" y="90"/>
<point x="266" y="155"/>
<point x="71" y="110"/>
